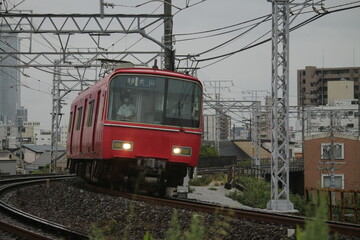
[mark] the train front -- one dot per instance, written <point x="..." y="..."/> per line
<point x="153" y="124"/>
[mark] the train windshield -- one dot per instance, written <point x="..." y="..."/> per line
<point x="154" y="100"/>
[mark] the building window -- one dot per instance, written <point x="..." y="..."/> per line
<point x="313" y="114"/>
<point x="338" y="151"/>
<point x="326" y="181"/>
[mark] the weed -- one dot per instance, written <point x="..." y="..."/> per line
<point x="197" y="230"/>
<point x="96" y="233"/>
<point x="111" y="227"/>
<point x="316" y="228"/>
<point x="174" y="231"/>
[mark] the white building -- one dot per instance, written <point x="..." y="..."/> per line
<point x="342" y="115"/>
<point x="63" y="135"/>
<point x="42" y="137"/>
<point x="210" y="127"/>
<point x="8" y="136"/>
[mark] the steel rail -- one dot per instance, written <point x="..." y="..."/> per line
<point x="45" y="224"/>
<point x="269" y="217"/>
<point x="22" y="232"/>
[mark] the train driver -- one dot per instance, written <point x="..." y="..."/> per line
<point x="127" y="110"/>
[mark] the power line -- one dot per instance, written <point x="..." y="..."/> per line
<point x="222" y="28"/>
<point x="268" y="39"/>
<point x="22" y="84"/>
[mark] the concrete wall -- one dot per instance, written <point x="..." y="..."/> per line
<point x="7" y="167"/>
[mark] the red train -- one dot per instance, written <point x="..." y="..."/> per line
<point x="136" y="124"/>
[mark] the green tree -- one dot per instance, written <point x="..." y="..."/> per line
<point x="208" y="151"/>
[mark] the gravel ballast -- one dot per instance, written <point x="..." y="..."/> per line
<point x="70" y="204"/>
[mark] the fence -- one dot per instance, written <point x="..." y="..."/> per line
<point x="212" y="162"/>
<point x="346" y="206"/>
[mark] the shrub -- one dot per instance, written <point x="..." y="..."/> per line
<point x="208" y="151"/>
<point x="201" y="181"/>
<point x="256" y="193"/>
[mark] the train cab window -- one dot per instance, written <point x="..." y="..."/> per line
<point x="136" y="99"/>
<point x="79" y="116"/>
<point x="183" y="104"/>
<point x="90" y="113"/>
<point x="154" y="100"/>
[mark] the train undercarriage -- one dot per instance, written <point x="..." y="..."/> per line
<point x="135" y="175"/>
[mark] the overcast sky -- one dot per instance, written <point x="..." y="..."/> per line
<point x="331" y="41"/>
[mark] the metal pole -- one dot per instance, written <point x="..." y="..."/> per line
<point x="280" y="108"/>
<point x="168" y="32"/>
<point x="55" y="118"/>
<point x="332" y="158"/>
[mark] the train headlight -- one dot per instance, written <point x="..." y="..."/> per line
<point x="122" y="145"/>
<point x="181" y="151"/>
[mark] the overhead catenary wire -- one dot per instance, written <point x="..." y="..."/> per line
<point x="156" y="27"/>
<point x="311" y="19"/>
<point x="226" y="27"/>
<point x="18" y="82"/>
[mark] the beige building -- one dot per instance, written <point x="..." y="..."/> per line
<point x="8" y="163"/>
<point x="316" y="88"/>
<point x="340" y="90"/>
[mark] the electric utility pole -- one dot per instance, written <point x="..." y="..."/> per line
<point x="332" y="158"/>
<point x="169" y="61"/>
<point x="280" y="107"/>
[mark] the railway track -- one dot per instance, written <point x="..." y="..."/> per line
<point x="48" y="226"/>
<point x="275" y="218"/>
<point x="256" y="216"/>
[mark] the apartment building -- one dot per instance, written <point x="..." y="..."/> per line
<point x="210" y="127"/>
<point x="320" y="86"/>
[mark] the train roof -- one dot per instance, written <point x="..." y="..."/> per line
<point x="153" y="71"/>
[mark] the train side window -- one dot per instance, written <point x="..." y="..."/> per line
<point x="79" y="115"/>
<point x="90" y="113"/>
<point x="70" y="125"/>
